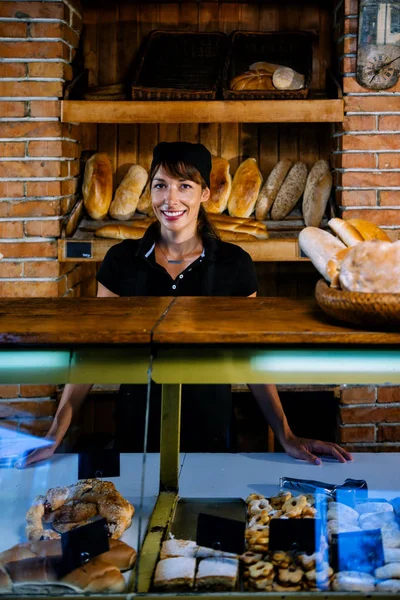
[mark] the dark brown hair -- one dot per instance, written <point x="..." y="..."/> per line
<point x="180" y="170"/>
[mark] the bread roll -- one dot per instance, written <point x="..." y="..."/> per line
<point x="144" y="205"/>
<point x="96" y="576"/>
<point x="120" y="232"/>
<point x="33" y="570"/>
<point x="17" y="552"/>
<point x="346" y="232"/>
<point x="256" y="79"/>
<point x="320" y="246"/>
<point x="372" y="267"/>
<point x="220" y="186"/>
<point x="97" y="186"/>
<point x="271" y="187"/>
<point x="120" y="555"/>
<point x="369" y="231"/>
<point x="316" y="194"/>
<point x="127" y="195"/>
<point x="286" y="78"/>
<point x="290" y="192"/>
<point x="245" y="189"/>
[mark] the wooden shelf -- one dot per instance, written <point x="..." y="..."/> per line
<point x="249" y="111"/>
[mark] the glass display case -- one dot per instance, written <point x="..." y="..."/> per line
<point x="203" y="523"/>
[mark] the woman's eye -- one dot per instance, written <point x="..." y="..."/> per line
<point x="158" y="186"/>
<point x="186" y="186"/>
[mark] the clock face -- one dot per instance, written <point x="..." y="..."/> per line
<point x="379" y="72"/>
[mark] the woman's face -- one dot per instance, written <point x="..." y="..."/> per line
<point x="176" y="202"/>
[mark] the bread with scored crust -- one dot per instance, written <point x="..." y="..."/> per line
<point x="97" y="186"/>
<point x="271" y="187"/>
<point x="245" y="189"/>
<point x="127" y="194"/>
<point x="290" y="191"/>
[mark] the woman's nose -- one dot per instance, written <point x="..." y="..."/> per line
<point x="171" y="194"/>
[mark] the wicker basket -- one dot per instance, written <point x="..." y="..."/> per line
<point x="107" y="92"/>
<point x="175" y="65"/>
<point x="289" y="49"/>
<point x="372" y="310"/>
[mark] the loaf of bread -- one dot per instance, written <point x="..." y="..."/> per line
<point x="127" y="194"/>
<point x="245" y="189"/>
<point x="220" y="186"/>
<point x="271" y="187"/>
<point x="144" y="205"/>
<point x="372" y="267"/>
<point x="369" y="231"/>
<point x="290" y="191"/>
<point x="255" y="79"/>
<point x="316" y="194"/>
<point x="320" y="246"/>
<point x="97" y="186"/>
<point x="231" y="222"/>
<point x="120" y="232"/>
<point x="286" y="78"/>
<point x="96" y="576"/>
<point x="334" y="265"/>
<point x="345" y="231"/>
<point x="270" y="68"/>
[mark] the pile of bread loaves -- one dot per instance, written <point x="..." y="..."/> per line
<point x="362" y="258"/>
<point x="267" y="76"/>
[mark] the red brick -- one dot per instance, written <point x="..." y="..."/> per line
<point x="33" y="168"/>
<point x="67" y="204"/>
<point x="351" y="7"/>
<point x="372" y="103"/>
<point x="347" y="64"/>
<point x="359" y="161"/>
<point x="48" y="268"/>
<point x="42" y="228"/>
<point x="356" y="198"/>
<point x="388" y="394"/>
<point x="34" y="50"/>
<point x="31" y="88"/>
<point x="389" y="198"/>
<point x="45" y="108"/>
<point x="77" y="22"/>
<point x="32" y="129"/>
<point x="42" y="69"/>
<point x="371" y="142"/>
<point x="357" y="395"/>
<point x="74" y="168"/>
<point x="36" y="391"/>
<point x="384" y="217"/>
<point x="388" y="160"/>
<point x="12" y="109"/>
<point x="11" y="229"/>
<point x="12" y="29"/>
<point x="350" y="85"/>
<point x="13" y="70"/>
<point x="382" y="447"/>
<point x="12" y="148"/>
<point x="29" y="289"/>
<point x="45" y="148"/>
<point x="9" y="391"/>
<point x="388" y="433"/>
<point x="15" y="410"/>
<point x="43" y="188"/>
<point x="70" y="36"/>
<point x="349" y="45"/>
<point x="11" y="269"/>
<point x="372" y="180"/>
<point x="69" y="186"/>
<point x="47" y="30"/>
<point x="359" y="123"/>
<point x="357" y="434"/>
<point x="370" y="414"/>
<point x="31" y="208"/>
<point x="11" y="189"/>
<point x="29" y="250"/>
<point x="389" y="123"/>
<point x="33" y="10"/>
<point x="350" y="26"/>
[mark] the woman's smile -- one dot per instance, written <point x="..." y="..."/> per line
<point x="173" y="215"/>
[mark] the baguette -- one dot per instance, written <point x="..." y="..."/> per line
<point x="217" y="219"/>
<point x="316" y="194"/>
<point x="270" y="189"/>
<point x="245" y="189"/>
<point x="369" y="231"/>
<point x="320" y="246"/>
<point x="220" y="186"/>
<point x="290" y="192"/>
<point x="120" y="232"/>
<point x="257" y="233"/>
<point x="345" y="231"/>
<point x="127" y="195"/>
<point x="97" y="186"/>
<point x="233" y="236"/>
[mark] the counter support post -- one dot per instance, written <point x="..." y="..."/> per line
<point x="170" y="436"/>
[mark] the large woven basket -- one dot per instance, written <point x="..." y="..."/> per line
<point x="372" y="310"/>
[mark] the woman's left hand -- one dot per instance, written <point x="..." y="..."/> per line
<point x="304" y="449"/>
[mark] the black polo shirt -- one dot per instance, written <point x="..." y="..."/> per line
<point x="130" y="269"/>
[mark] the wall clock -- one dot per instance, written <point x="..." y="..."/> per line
<point x="378" y="53"/>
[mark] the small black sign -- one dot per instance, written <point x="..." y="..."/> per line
<point x="83" y="543"/>
<point x="78" y="249"/>
<point x="98" y="464"/>
<point x="294" y="535"/>
<point x="357" y="551"/>
<point x="220" y="533"/>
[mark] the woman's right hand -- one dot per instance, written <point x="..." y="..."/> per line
<point x="36" y="456"/>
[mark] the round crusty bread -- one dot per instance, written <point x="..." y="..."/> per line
<point x="96" y="576"/>
<point x="245" y="189"/>
<point x="320" y="246"/>
<point x="372" y="267"/>
<point x="316" y="194"/>
<point x="255" y="79"/>
<point x="127" y="194"/>
<point x="97" y="186"/>
<point x="220" y="186"/>
<point x="271" y="188"/>
<point x="290" y="191"/>
<point x="346" y="232"/>
<point x="369" y="231"/>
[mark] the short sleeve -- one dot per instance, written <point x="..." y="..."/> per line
<point x="246" y="277"/>
<point x="109" y="272"/>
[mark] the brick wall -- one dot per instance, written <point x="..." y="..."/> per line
<point x="367" y="172"/>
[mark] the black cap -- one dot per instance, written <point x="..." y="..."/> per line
<point x="196" y="155"/>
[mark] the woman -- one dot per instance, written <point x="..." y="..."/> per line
<point x="180" y="255"/>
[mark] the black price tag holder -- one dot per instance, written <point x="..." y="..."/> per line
<point x="98" y="464"/>
<point x="357" y="551"/>
<point x="220" y="533"/>
<point x="295" y="535"/>
<point x="83" y="543"/>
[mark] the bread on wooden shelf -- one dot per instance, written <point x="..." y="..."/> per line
<point x="220" y="186"/>
<point x="255" y="79"/>
<point x="271" y="187"/>
<point x="97" y="186"/>
<point x="320" y="246"/>
<point x="144" y="205"/>
<point x="245" y="189"/>
<point x="285" y="78"/>
<point x="127" y="194"/>
<point x="290" y="191"/>
<point x="316" y="194"/>
<point x="120" y="232"/>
